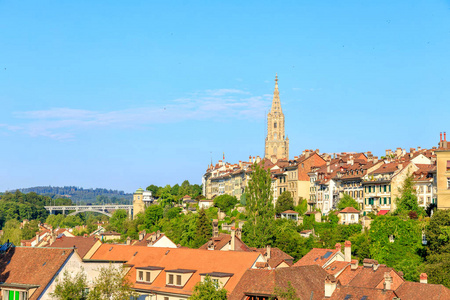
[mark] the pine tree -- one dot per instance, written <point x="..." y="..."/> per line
<point x="203" y="230"/>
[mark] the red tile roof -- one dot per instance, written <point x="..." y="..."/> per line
<point x="357" y="293"/>
<point x="306" y="280"/>
<point x="202" y="261"/>
<point x="316" y="256"/>
<point x="416" y="290"/>
<point x="224" y="239"/>
<point x="349" y="210"/>
<point x="83" y="244"/>
<point x="32" y="266"/>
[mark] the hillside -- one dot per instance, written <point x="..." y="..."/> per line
<point x="80" y="195"/>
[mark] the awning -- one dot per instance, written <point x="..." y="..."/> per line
<point x="382" y="212"/>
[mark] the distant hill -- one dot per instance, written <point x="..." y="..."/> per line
<point x="80" y="195"/>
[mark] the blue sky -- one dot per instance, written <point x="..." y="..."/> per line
<point x="124" y="94"/>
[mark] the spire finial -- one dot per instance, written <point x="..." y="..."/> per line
<point x="276" y="77"/>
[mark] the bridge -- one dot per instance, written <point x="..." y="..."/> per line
<point x="103" y="209"/>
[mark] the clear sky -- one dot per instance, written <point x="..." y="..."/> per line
<point x="124" y="94"/>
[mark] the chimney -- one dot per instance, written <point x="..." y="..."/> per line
<point x="354" y="264"/>
<point x="387" y="281"/>
<point x="317" y="151"/>
<point x="328" y="166"/>
<point x="338" y="247"/>
<point x="375" y="265"/>
<point x="37" y="237"/>
<point x="419" y="148"/>
<point x="258" y="159"/>
<point x="215" y="226"/>
<point x="268" y="252"/>
<point x="239" y="233"/>
<point x="141" y="235"/>
<point x="153" y="238"/>
<point x="233" y="239"/>
<point x="250" y="159"/>
<point x="367" y="263"/>
<point x="441" y="138"/>
<point x="330" y="285"/>
<point x="348" y="251"/>
<point x="128" y="241"/>
<point x="423" y="278"/>
<point x="445" y="136"/>
<point x="158" y="234"/>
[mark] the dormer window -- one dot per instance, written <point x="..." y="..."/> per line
<point x="178" y="277"/>
<point x="219" y="278"/>
<point x="147" y="274"/>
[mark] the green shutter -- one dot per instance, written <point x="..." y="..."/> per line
<point x="11" y="295"/>
<point x="17" y="295"/>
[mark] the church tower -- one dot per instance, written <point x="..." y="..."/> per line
<point x="277" y="144"/>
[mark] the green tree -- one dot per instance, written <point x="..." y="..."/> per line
<point x="284" y="202"/>
<point x="437" y="268"/>
<point x="166" y="197"/>
<point x="29" y="229"/>
<point x="152" y="214"/>
<point x="71" y="287"/>
<point x="288" y="293"/>
<point x="408" y="198"/>
<point x="397" y="243"/>
<point x="118" y="219"/>
<point x="258" y="230"/>
<point x="347" y="201"/>
<point x="438" y="232"/>
<point x="225" y="202"/>
<point x="154" y="189"/>
<point x="208" y="290"/>
<point x="302" y="206"/>
<point x="203" y="230"/>
<point x="12" y="232"/>
<point x="111" y="284"/>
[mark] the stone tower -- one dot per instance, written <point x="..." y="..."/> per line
<point x="138" y="202"/>
<point x="277" y="144"/>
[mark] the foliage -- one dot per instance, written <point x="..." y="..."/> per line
<point x="347" y="201"/>
<point x="71" y="194"/>
<point x="111" y="284"/>
<point x="403" y="253"/>
<point x="208" y="290"/>
<point x="437" y="267"/>
<point x="71" y="288"/>
<point x="361" y="245"/>
<point x="12" y="232"/>
<point x="438" y="232"/>
<point x="203" y="229"/>
<point x="29" y="229"/>
<point x="117" y="220"/>
<point x="408" y="199"/>
<point x="21" y="206"/>
<point x="175" y="192"/>
<point x="302" y="206"/>
<point x="289" y="240"/>
<point x="284" y="202"/>
<point x="225" y="202"/>
<point x="173" y="212"/>
<point x="152" y="214"/>
<point x="288" y="293"/>
<point x="258" y="230"/>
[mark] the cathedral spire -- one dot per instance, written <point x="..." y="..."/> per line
<point x="277" y="145"/>
<point x="276" y="106"/>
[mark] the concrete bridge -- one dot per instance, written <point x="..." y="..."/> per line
<point x="103" y="209"/>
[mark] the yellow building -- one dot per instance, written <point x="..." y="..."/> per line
<point x="443" y="173"/>
<point x="138" y="202"/>
<point x="277" y="144"/>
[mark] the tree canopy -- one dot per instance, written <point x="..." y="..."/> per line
<point x="284" y="202"/>
<point x="347" y="201"/>
<point x="208" y="290"/>
<point x="225" y="202"/>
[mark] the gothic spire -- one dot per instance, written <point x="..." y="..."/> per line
<point x="276" y="107"/>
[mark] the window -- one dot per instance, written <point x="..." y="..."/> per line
<point x="170" y="279"/>
<point x="14" y="295"/>
<point x="448" y="183"/>
<point x="385" y="188"/>
<point x="178" y="279"/>
<point x="166" y="298"/>
<point x="275" y="125"/>
<point x="147" y="276"/>
<point x="141" y="276"/>
<point x="448" y="165"/>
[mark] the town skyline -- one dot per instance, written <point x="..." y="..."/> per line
<point x="122" y="101"/>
